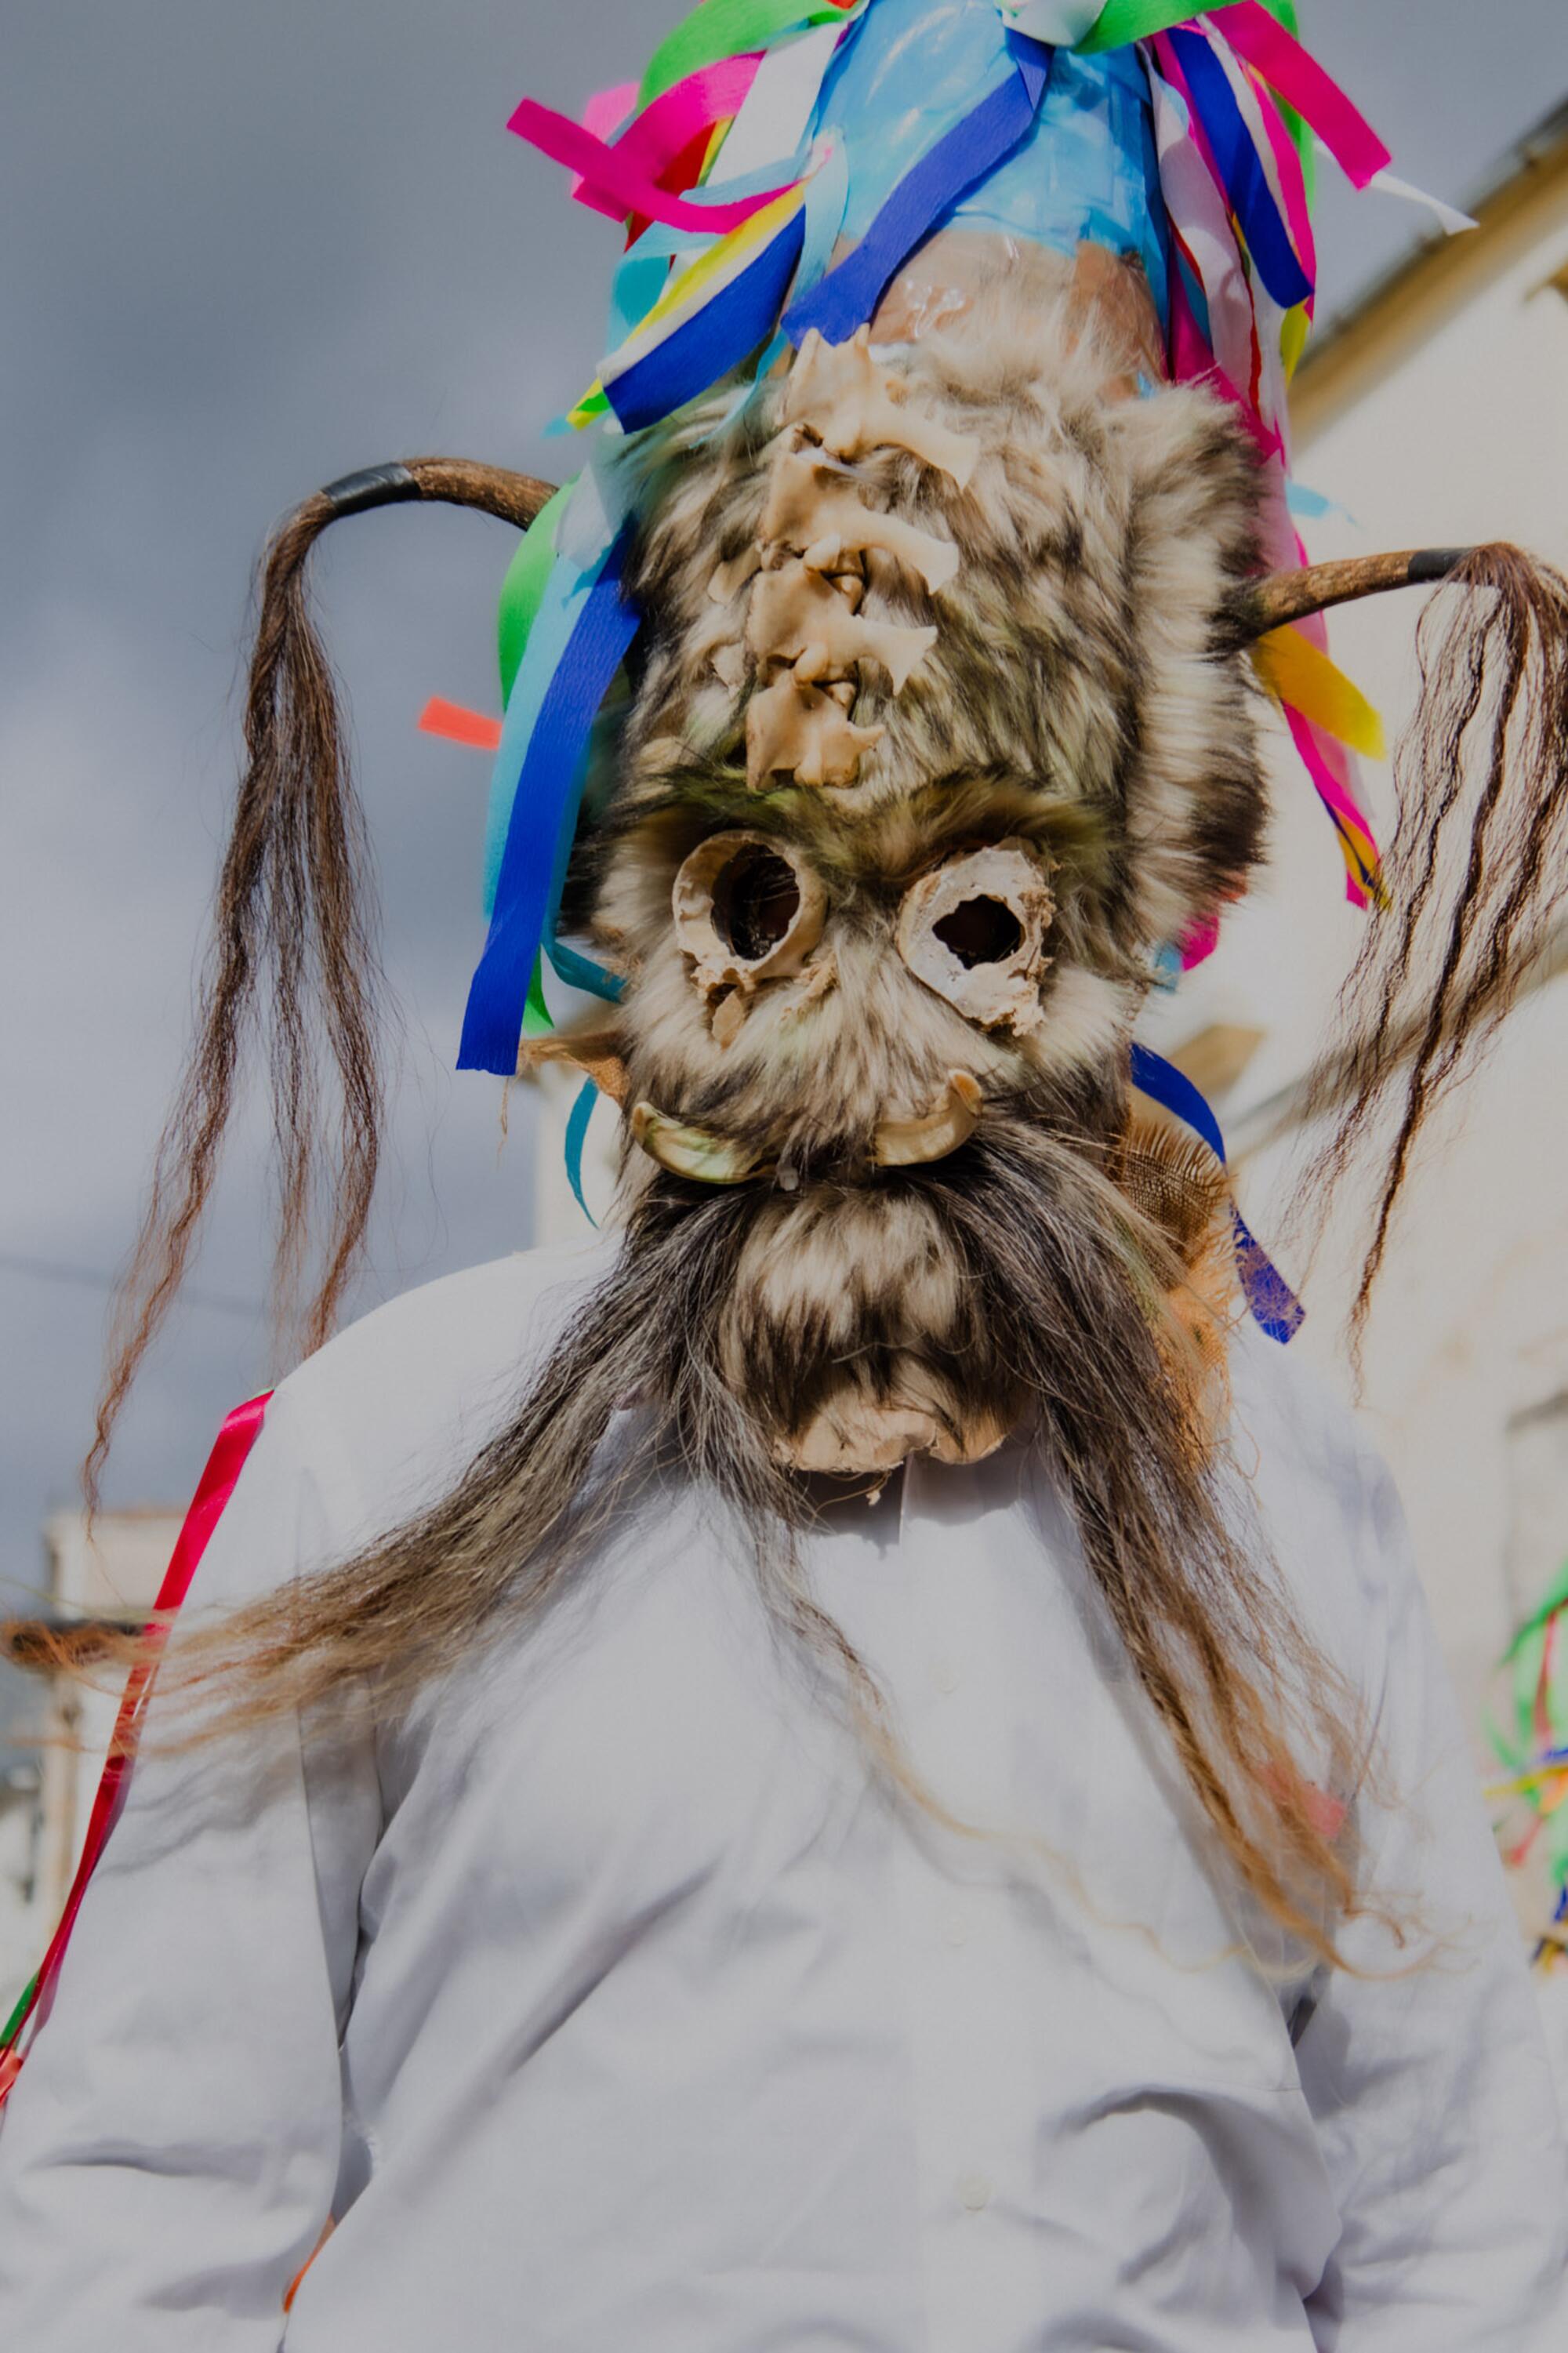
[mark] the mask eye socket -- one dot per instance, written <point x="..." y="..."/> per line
<point x="747" y="909"/>
<point x="980" y="930"/>
<point x="974" y="931"/>
<point x="756" y="897"/>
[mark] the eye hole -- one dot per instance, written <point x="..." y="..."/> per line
<point x="756" y="897"/>
<point x="980" y="931"/>
<point x="748" y="908"/>
<point x="973" y="930"/>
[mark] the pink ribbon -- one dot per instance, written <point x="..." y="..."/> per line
<point x="666" y="128"/>
<point x="1193" y="198"/>
<point x="620" y="180"/>
<point x="1301" y="83"/>
<point x="224" y="1463"/>
<point x="1335" y="796"/>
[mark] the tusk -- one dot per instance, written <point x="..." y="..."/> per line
<point x="1283" y="597"/>
<point x="694" y="1152"/>
<point x="952" y="1121"/>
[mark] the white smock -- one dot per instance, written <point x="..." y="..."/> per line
<point x="612" y="2005"/>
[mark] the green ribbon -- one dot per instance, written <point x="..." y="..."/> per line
<point x="15" y="2023"/>
<point x="1121" y="21"/>
<point x="523" y="587"/>
<point x="729" y="28"/>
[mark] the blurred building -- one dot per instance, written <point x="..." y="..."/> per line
<point x="107" y="1582"/>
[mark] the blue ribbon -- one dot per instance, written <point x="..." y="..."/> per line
<point x="1273" y="1305"/>
<point x="582" y="1112"/>
<point x="544" y="818"/>
<point x="715" y="338"/>
<point x="971" y="150"/>
<point x="1245" y="185"/>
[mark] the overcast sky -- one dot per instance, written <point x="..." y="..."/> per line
<point x="248" y="248"/>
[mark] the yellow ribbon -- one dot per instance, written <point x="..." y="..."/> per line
<point x="1295" y="671"/>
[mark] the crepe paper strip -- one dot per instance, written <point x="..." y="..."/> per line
<point x="1240" y="170"/>
<point x="1296" y="672"/>
<point x="1358" y="846"/>
<point x="653" y="140"/>
<point x="1454" y="222"/>
<point x="776" y="120"/>
<point x="1554" y="1599"/>
<point x="523" y="586"/>
<point x="1199" y="942"/>
<point x="1542" y="1705"/>
<point x="1314" y="504"/>
<point x="577" y="1122"/>
<point x="1124" y="21"/>
<point x="1553" y="1768"/>
<point x="1273" y="1305"/>
<point x="613" y="174"/>
<point x="1278" y="154"/>
<point x="292" y="2290"/>
<point x="234" y="1439"/>
<point x="731" y="324"/>
<point x="609" y="112"/>
<point x="713" y="266"/>
<point x="1295" y="73"/>
<point x="477" y="729"/>
<point x="719" y="28"/>
<point x="1063" y="24"/>
<point x="1293" y="341"/>
<point x="971" y="150"/>
<point x="565" y="591"/>
<point x="1201" y="227"/>
<point x="1250" y="96"/>
<point x="543" y="816"/>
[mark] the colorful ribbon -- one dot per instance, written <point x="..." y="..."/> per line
<point x="969" y="153"/>
<point x="743" y="290"/>
<point x="613" y="175"/>
<point x="721" y="28"/>
<point x="543" y="814"/>
<point x="1273" y="1305"/>
<point x="655" y="142"/>
<point x="238" y="1434"/>
<point x="1255" y="34"/>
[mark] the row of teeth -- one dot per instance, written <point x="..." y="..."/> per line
<point x="804" y="629"/>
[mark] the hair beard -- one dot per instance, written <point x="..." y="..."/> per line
<point x="1064" y="1336"/>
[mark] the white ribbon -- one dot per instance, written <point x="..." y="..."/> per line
<point x="1388" y="184"/>
<point x="775" y="113"/>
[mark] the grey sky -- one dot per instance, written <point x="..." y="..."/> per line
<point x="248" y="248"/>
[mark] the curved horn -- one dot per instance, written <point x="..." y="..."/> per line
<point x="454" y="482"/>
<point x="1282" y="596"/>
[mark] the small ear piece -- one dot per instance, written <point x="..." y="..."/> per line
<point x="1284" y="596"/>
<point x="596" y="1057"/>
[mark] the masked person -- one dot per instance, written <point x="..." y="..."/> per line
<point x="860" y="1765"/>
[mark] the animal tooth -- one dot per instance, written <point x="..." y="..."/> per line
<point x="731" y="577"/>
<point x="839" y="395"/>
<point x="822" y="513"/>
<point x="794" y="611"/>
<point x="951" y="1121"/>
<point x="801" y="731"/>
<point x="693" y="1151"/>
